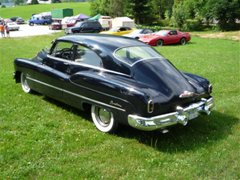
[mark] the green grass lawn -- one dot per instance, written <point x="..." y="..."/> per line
<point x="41" y="138"/>
<point x="26" y="11"/>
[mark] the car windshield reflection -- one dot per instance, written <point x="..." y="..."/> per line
<point x="133" y="54"/>
<point x="162" y="33"/>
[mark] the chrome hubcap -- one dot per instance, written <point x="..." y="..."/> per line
<point x="104" y="116"/>
<point x="160" y="43"/>
<point x="183" y="41"/>
<point x="24" y="83"/>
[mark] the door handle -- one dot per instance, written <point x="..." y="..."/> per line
<point x="66" y="63"/>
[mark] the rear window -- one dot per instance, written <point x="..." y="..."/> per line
<point x="133" y="54"/>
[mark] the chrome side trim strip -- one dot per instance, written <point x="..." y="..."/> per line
<point x="74" y="94"/>
<point x="87" y="65"/>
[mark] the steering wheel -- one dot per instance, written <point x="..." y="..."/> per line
<point x="66" y="53"/>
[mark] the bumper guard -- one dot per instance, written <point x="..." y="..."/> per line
<point x="181" y="116"/>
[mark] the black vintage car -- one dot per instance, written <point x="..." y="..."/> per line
<point x="88" y="26"/>
<point x="121" y="79"/>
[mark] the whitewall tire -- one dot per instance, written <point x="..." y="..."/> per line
<point x="24" y="83"/>
<point x="103" y="119"/>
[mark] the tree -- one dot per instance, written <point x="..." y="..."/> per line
<point x="226" y="12"/>
<point x="18" y="2"/>
<point x="108" y="7"/>
<point x="34" y="2"/>
<point x="162" y="8"/>
<point x="141" y="10"/>
<point x="180" y="14"/>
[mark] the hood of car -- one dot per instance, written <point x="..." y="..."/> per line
<point x="149" y="37"/>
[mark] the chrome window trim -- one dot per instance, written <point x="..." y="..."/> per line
<point x="74" y="94"/>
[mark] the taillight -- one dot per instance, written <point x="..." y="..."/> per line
<point x="210" y="88"/>
<point x="150" y="107"/>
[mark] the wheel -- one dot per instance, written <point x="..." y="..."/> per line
<point x="24" y="83"/>
<point x="160" y="42"/>
<point x="103" y="119"/>
<point x="183" y="41"/>
<point x="31" y="24"/>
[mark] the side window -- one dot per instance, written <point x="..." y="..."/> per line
<point x="87" y="56"/>
<point x="173" y="32"/>
<point x="122" y="29"/>
<point x="85" y="25"/>
<point x="147" y="31"/>
<point x="63" y="50"/>
<point x="91" y="24"/>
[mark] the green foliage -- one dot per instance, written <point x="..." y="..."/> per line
<point x="141" y="11"/>
<point x="226" y="12"/>
<point x="112" y="8"/>
<point x="162" y="8"/>
<point x="19" y="2"/>
<point x="34" y="2"/>
<point x="3" y="6"/>
<point x="192" y="25"/>
<point x="44" y="139"/>
<point x="179" y="15"/>
<point x="155" y="27"/>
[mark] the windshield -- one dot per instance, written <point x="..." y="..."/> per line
<point x="133" y="54"/>
<point x="162" y="33"/>
<point x="115" y="29"/>
<point x="78" y="24"/>
<point x="137" y="31"/>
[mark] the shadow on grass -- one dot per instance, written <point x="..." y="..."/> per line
<point x="200" y="132"/>
<point x="86" y="115"/>
<point x="205" y="130"/>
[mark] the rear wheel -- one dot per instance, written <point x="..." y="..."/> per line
<point x="160" y="42"/>
<point x="183" y="41"/>
<point x="103" y="119"/>
<point x="24" y="83"/>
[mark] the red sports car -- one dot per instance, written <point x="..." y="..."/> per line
<point x="166" y="37"/>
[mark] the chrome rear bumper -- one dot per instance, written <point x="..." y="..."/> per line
<point x="181" y="116"/>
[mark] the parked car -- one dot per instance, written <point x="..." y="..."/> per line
<point x="55" y="26"/>
<point x="68" y="22"/>
<point x="20" y="21"/>
<point x="7" y="21"/>
<point x="137" y="33"/>
<point x="13" y="26"/>
<point x="85" y="27"/>
<point x="122" y="81"/>
<point x="40" y="19"/>
<point x="118" y="31"/>
<point x="13" y="19"/>
<point x="165" y="37"/>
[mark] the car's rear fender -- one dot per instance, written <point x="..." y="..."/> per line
<point x="20" y="66"/>
<point x="111" y="90"/>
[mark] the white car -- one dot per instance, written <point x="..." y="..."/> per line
<point x="13" y="26"/>
<point x="136" y="34"/>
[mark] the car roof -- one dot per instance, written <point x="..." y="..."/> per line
<point x="102" y="41"/>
